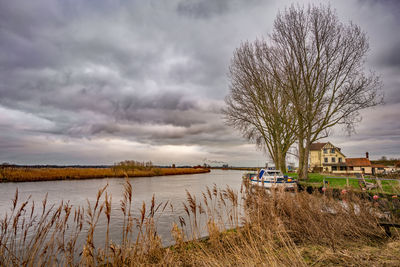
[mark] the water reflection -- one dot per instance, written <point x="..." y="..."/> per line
<point x="170" y="189"/>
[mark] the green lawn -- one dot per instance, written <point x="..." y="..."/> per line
<point x="316" y="180"/>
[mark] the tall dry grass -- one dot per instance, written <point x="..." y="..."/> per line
<point x="253" y="227"/>
<point x="12" y="174"/>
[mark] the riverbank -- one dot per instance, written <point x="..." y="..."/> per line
<point x="12" y="174"/>
<point x="316" y="180"/>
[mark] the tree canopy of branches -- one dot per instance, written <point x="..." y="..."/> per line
<point x="133" y="165"/>
<point x="255" y="106"/>
<point x="315" y="64"/>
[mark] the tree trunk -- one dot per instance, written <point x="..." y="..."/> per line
<point x="300" y="170"/>
<point x="275" y="158"/>
<point x="280" y="159"/>
<point x="305" y="157"/>
<point x="282" y="163"/>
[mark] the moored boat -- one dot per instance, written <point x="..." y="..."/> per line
<point x="270" y="178"/>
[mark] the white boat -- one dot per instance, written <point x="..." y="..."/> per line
<point x="270" y="178"/>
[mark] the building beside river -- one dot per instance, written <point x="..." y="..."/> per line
<point x="325" y="157"/>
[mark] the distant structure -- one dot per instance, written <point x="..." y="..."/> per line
<point x="290" y="166"/>
<point x="325" y="157"/>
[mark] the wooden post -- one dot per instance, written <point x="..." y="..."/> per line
<point x="378" y="182"/>
<point x="347" y="181"/>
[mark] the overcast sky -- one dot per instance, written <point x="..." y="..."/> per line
<point x="97" y="81"/>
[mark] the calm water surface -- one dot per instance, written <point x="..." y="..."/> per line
<point x="165" y="188"/>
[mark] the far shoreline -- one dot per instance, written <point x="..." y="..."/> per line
<point x="16" y="175"/>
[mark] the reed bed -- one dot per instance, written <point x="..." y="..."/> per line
<point x="12" y="174"/>
<point x="246" y="228"/>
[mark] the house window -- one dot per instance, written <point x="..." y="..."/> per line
<point x="332" y="150"/>
<point x="333" y="159"/>
<point x="325" y="151"/>
<point x="342" y="168"/>
<point x="326" y="160"/>
<point x="340" y="160"/>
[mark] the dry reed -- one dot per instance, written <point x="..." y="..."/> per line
<point x="254" y="228"/>
<point x="12" y="174"/>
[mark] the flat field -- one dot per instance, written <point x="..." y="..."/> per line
<point x="317" y="180"/>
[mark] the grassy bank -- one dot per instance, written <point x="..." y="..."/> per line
<point x="317" y="179"/>
<point x="260" y="228"/>
<point x="11" y="174"/>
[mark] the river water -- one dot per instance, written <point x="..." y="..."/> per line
<point x="165" y="188"/>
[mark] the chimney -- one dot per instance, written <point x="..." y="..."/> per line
<point x="367" y="155"/>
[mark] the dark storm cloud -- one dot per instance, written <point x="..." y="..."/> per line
<point x="140" y="75"/>
<point x="203" y="9"/>
<point x="391" y="57"/>
<point x="206" y="8"/>
<point x="118" y="73"/>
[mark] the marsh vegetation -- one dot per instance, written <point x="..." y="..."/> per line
<point x="26" y="174"/>
<point x="250" y="227"/>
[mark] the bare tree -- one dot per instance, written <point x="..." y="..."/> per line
<point x="318" y="64"/>
<point x="313" y="66"/>
<point x="255" y="106"/>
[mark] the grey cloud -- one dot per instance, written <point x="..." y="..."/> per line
<point x="391" y="57"/>
<point x="147" y="72"/>
<point x="202" y="9"/>
<point x="207" y="8"/>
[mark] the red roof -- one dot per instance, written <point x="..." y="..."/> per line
<point x="358" y="162"/>
<point x="317" y="146"/>
<point x="378" y="166"/>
